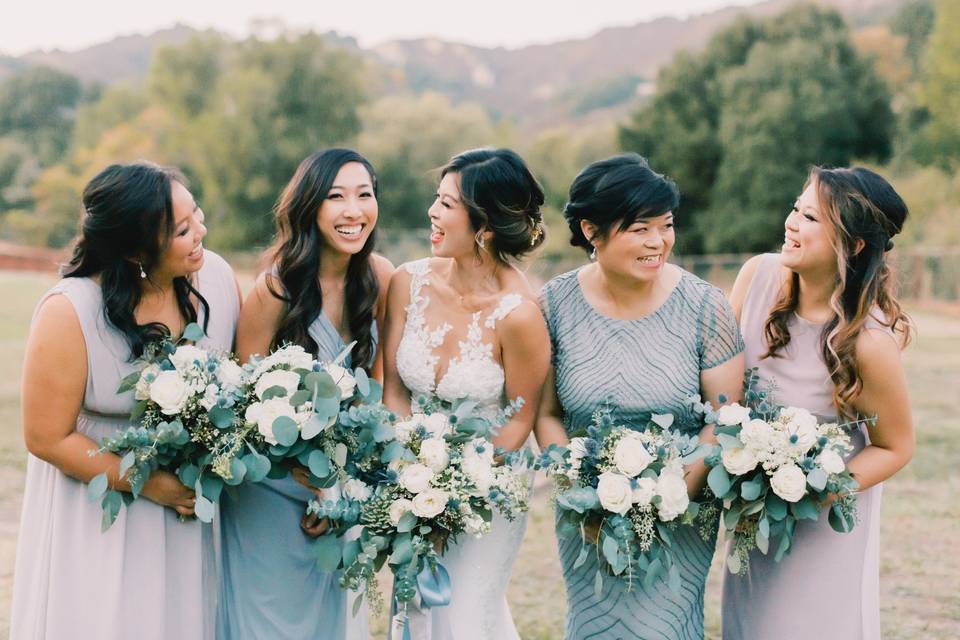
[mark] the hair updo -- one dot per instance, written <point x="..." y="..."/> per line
<point x="502" y="196"/>
<point x="622" y="189"/>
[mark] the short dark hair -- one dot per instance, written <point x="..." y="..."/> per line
<point x="621" y="189"/>
<point x="500" y="194"/>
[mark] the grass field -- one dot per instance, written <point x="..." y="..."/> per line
<point x="920" y="552"/>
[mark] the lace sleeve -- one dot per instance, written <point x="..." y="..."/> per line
<point x="718" y="336"/>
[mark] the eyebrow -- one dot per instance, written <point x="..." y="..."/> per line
<point x="448" y="195"/>
<point x="365" y="185"/>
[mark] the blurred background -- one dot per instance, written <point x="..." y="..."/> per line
<point x="732" y="99"/>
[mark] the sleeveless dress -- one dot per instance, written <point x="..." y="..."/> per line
<point x="827" y="586"/>
<point x="637" y="367"/>
<point x="270" y="584"/>
<point x="479" y="568"/>
<point x="149" y="575"/>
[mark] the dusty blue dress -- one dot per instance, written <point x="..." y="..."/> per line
<point x="639" y="367"/>
<point x="270" y="584"/>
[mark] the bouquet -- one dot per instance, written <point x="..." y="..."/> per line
<point x="623" y="489"/>
<point x="774" y="466"/>
<point x="413" y="486"/>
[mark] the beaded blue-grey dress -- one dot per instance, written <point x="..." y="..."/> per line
<point x="637" y="367"/>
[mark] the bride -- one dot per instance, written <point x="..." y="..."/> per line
<point x="465" y="324"/>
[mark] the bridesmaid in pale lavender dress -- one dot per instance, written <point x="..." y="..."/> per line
<point x="138" y="270"/>
<point x="325" y="288"/>
<point x="820" y="322"/>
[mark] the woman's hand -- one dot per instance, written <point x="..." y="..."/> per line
<point x="165" y="489"/>
<point x="313" y="525"/>
<point x="302" y="476"/>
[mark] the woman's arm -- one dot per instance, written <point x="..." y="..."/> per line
<point x="525" y="354"/>
<point x="54" y="382"/>
<point x="259" y="319"/>
<point x="395" y="395"/>
<point x="739" y="292"/>
<point x="884" y="395"/>
<point x="549" y="428"/>
<point x="383" y="269"/>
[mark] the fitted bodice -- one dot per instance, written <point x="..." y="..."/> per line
<point x="473" y="373"/>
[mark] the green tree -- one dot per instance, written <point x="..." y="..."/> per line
<point x="39" y="105"/>
<point x="940" y="91"/>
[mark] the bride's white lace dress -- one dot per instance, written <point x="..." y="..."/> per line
<point x="479" y="568"/>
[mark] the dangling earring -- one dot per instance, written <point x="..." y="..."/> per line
<point x="593" y="254"/>
<point x="480" y="241"/>
<point x="143" y="274"/>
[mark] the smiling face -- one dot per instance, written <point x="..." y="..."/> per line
<point x="808" y="245"/>
<point x="451" y="234"/>
<point x="183" y="254"/>
<point x="640" y="251"/>
<point x="349" y="213"/>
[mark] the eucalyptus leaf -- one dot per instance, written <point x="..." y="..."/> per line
<point x="111" y="509"/>
<point x="326" y="549"/>
<point x="356" y="604"/>
<point x="407" y="522"/>
<point x="598" y="585"/>
<point x="126" y="462"/>
<point x="728" y="441"/>
<point x="238" y="470"/>
<point x="313" y="427"/>
<point x="318" y="463"/>
<point x="751" y="489"/>
<point x="581" y="557"/>
<point x="817" y="479"/>
<point x="188" y="474"/>
<point x="258" y="467"/>
<point x="776" y="507"/>
<point x="221" y="417"/>
<point x="193" y="332"/>
<point x="363" y="382"/>
<point x="719" y="481"/>
<point x="733" y="563"/>
<point x="285" y="430"/>
<point x="98" y="484"/>
<point x="204" y="509"/>
<point x="662" y="420"/>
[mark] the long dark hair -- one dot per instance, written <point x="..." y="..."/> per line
<point x="296" y="255"/>
<point x="500" y="194"/>
<point x="861" y="206"/>
<point x="127" y="222"/>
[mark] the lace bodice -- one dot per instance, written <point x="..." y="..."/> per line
<point x="473" y="373"/>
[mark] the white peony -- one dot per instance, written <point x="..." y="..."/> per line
<point x="356" y="489"/>
<point x="430" y="503"/>
<point x="210" y="396"/>
<point x="170" y="392"/>
<point x="399" y="507"/>
<point x="830" y="461"/>
<point x="231" y="374"/>
<point x="436" y="424"/>
<point x="756" y="434"/>
<point x="789" y="482"/>
<point x="416" y="477"/>
<point x="264" y="413"/>
<point x="673" y="496"/>
<point x="732" y="414"/>
<point x="343" y="378"/>
<point x="644" y="491"/>
<point x="433" y="453"/>
<point x="147" y="376"/>
<point x="188" y="357"/>
<point x="288" y="380"/>
<point x="739" y="461"/>
<point x="630" y="456"/>
<point x="614" y="492"/>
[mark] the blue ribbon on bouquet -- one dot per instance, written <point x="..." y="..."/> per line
<point x="433" y="585"/>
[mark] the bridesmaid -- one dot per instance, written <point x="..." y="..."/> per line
<point x="139" y="271"/>
<point x="821" y="321"/>
<point x="636" y="333"/>
<point x="325" y="288"/>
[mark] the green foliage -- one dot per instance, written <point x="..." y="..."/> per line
<point x="940" y="91"/>
<point x="39" y="104"/>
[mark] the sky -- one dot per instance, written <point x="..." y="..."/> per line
<point x="28" y="25"/>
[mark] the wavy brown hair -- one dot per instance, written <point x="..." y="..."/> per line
<point x="865" y="213"/>
<point x="296" y="252"/>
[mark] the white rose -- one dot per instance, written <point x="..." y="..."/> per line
<point x="732" y="414"/>
<point x="630" y="456"/>
<point x="756" y="434"/>
<point x="673" y="496"/>
<point x="739" y="461"/>
<point x="430" y="503"/>
<point x="789" y="482"/>
<point x="830" y="461"/>
<point x="210" y="396"/>
<point x="644" y="491"/>
<point x="436" y="424"/>
<point x="170" y="392"/>
<point x="230" y="374"/>
<point x="433" y="453"/>
<point x="288" y="380"/>
<point x="614" y="492"/>
<point x="399" y="507"/>
<point x="264" y="413"/>
<point x="397" y="464"/>
<point x="343" y="378"/>
<point x="416" y="477"/>
<point x="188" y="357"/>
<point x="803" y="424"/>
<point x="356" y="489"/>
<point x="147" y="376"/>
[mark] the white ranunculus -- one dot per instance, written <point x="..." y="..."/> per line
<point x="802" y="424"/>
<point x="789" y="482"/>
<point x="188" y="357"/>
<point x="830" y="461"/>
<point x="210" y="396"/>
<point x="170" y="392"/>
<point x="739" y="461"/>
<point x="614" y="492"/>
<point x="147" y="376"/>
<point x="399" y="507"/>
<point x="343" y="378"/>
<point x="731" y="414"/>
<point x="436" y="424"/>
<point x="644" y="491"/>
<point x="356" y="489"/>
<point x="264" y="413"/>
<point x="630" y="456"/>
<point x="673" y="496"/>
<point x="430" y="503"/>
<point x="433" y="453"/>
<point x="288" y="380"/>
<point x="416" y="477"/>
<point x="756" y="434"/>
<point x="230" y="374"/>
